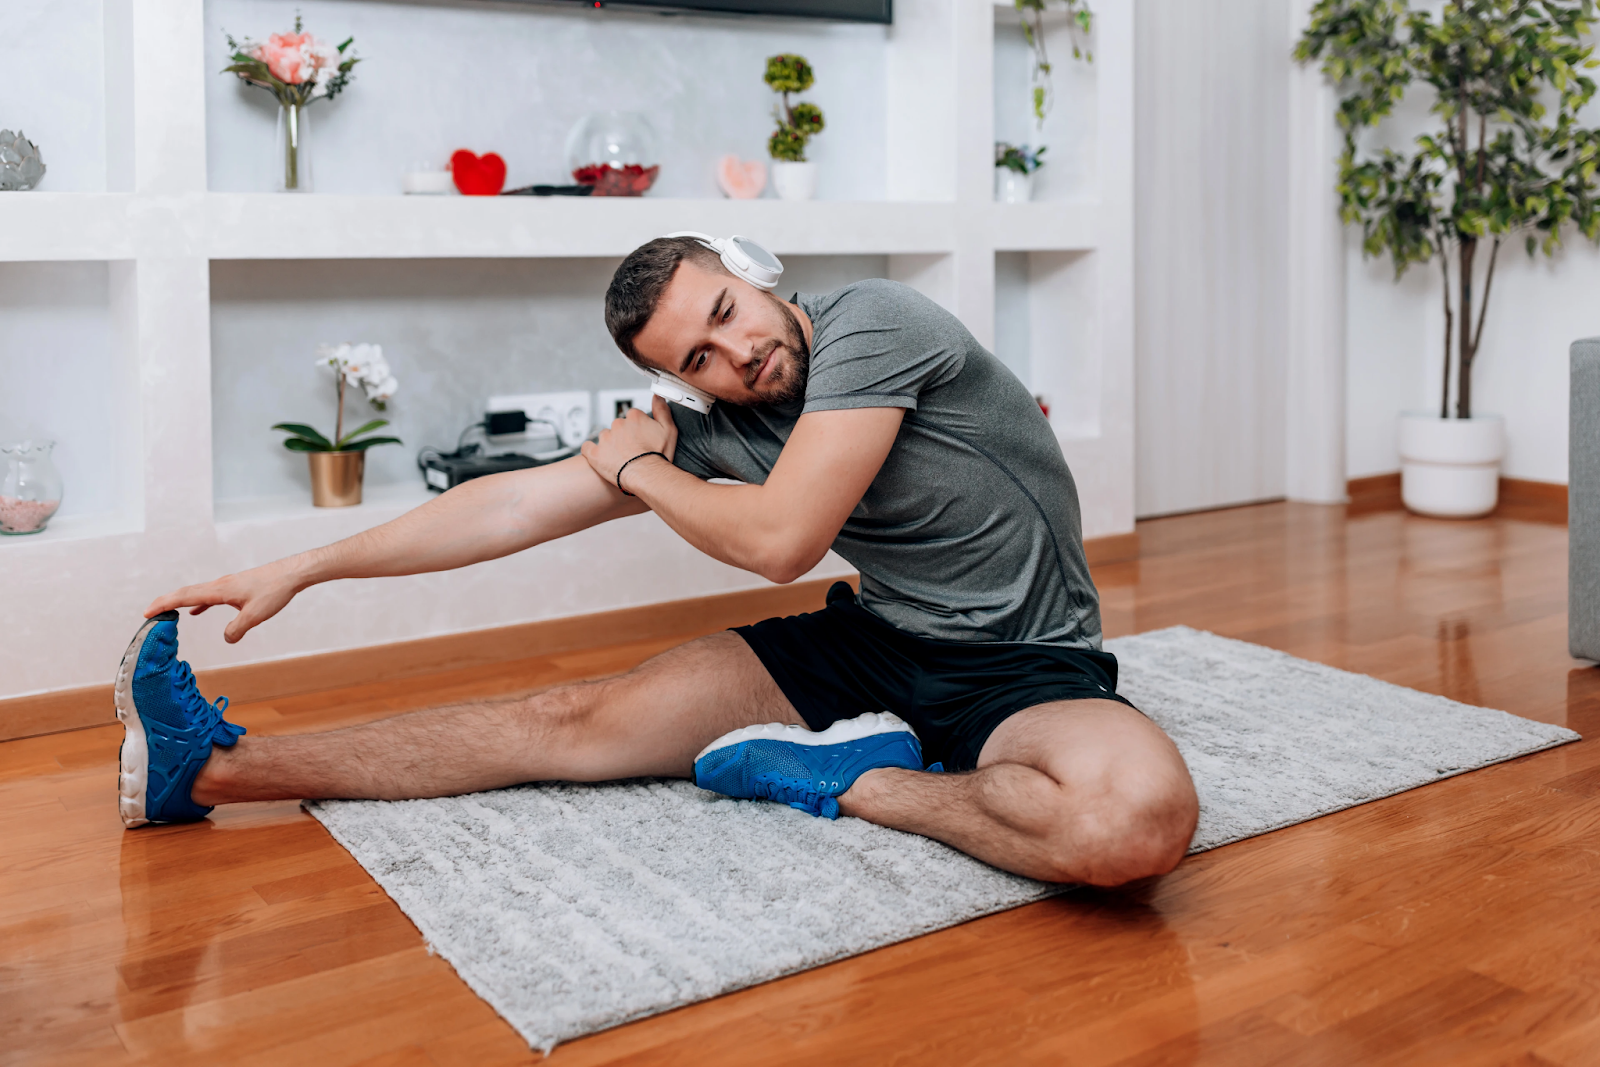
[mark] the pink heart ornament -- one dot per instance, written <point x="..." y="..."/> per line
<point x="740" y="179"/>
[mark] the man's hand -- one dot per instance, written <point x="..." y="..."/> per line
<point x="259" y="594"/>
<point x="781" y="528"/>
<point x="632" y="435"/>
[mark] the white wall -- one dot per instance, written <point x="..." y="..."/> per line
<point x="514" y="79"/>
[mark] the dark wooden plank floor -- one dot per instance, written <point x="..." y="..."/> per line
<point x="1454" y="924"/>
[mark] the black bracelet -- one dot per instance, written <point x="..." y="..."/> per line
<point x="624" y="467"/>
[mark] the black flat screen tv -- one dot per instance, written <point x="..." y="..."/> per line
<point x="881" y="11"/>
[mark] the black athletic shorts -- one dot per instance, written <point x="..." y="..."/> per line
<point x="844" y="661"/>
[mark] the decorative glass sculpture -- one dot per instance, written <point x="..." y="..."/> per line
<point x="615" y="152"/>
<point x="30" y="487"/>
<point x="21" y="166"/>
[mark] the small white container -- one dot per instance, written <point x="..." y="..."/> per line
<point x="1012" y="187"/>
<point x="427" y="182"/>
<point x="794" y="181"/>
<point x="1450" y="468"/>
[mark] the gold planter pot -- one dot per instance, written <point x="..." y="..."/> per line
<point x="336" y="478"/>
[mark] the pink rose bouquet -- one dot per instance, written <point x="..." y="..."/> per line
<point x="295" y="67"/>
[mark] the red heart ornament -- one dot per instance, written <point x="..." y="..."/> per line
<point x="474" y="175"/>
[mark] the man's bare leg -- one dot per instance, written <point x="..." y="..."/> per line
<point x="1073" y="791"/>
<point x="652" y="720"/>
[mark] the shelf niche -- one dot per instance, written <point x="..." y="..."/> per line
<point x="1071" y="130"/>
<point x="1046" y="331"/>
<point x="68" y="377"/>
<point x="455" y="332"/>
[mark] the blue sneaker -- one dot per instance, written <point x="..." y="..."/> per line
<point x="168" y="726"/>
<point x="804" y="769"/>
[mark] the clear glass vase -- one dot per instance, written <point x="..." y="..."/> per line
<point x="30" y="486"/>
<point x="294" y="149"/>
<point x="615" y="152"/>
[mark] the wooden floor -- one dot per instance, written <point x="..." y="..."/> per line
<point x="1456" y="924"/>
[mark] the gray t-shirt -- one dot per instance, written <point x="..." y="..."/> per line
<point x="970" y="532"/>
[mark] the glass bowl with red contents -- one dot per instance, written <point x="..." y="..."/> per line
<point x="614" y="152"/>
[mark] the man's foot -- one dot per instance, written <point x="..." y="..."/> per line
<point x="168" y="726"/>
<point x="803" y="769"/>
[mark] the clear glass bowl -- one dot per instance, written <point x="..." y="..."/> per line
<point x="614" y="151"/>
<point x="30" y="486"/>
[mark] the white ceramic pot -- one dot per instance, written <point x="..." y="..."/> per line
<point x="1011" y="187"/>
<point x="794" y="181"/>
<point x="1450" y="468"/>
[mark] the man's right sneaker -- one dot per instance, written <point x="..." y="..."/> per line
<point x="168" y="726"/>
<point x="803" y="768"/>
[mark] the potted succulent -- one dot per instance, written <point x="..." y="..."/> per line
<point x="793" y="176"/>
<point x="1013" y="172"/>
<point x="1506" y="157"/>
<point x="338" y="465"/>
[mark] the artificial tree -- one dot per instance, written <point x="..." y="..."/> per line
<point x="1508" y="155"/>
<point x="797" y="122"/>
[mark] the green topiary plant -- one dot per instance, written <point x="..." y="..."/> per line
<point x="797" y="123"/>
<point x="1509" y="154"/>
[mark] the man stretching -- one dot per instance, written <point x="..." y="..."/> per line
<point x="868" y="421"/>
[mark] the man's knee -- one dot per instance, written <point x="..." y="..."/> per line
<point x="566" y="711"/>
<point x="1138" y="827"/>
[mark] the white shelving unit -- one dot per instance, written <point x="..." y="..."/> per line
<point x="81" y="587"/>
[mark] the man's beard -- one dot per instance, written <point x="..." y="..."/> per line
<point x="788" y="382"/>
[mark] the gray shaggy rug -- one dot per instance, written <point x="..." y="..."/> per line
<point x="573" y="908"/>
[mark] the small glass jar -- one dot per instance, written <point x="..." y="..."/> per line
<point x="615" y="152"/>
<point x="30" y="486"/>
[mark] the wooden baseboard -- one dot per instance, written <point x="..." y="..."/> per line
<point x="1118" y="548"/>
<point x="1380" y="492"/>
<point x="73" y="709"/>
<point x="1533" y="501"/>
<point x="1520" y="498"/>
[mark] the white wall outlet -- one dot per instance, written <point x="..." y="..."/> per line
<point x="614" y="403"/>
<point x="569" y="412"/>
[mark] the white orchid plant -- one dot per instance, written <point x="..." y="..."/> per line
<point x="354" y="366"/>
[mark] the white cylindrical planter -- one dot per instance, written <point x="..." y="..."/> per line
<point x="1450" y="468"/>
<point x="794" y="181"/>
<point x="1012" y="187"/>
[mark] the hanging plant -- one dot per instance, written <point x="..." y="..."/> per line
<point x="1080" y="20"/>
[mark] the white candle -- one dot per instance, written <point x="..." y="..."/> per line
<point x="431" y="182"/>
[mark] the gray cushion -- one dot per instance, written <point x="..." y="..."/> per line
<point x="1583" y="503"/>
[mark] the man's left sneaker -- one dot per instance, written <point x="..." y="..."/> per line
<point x="168" y="726"/>
<point x="803" y="768"/>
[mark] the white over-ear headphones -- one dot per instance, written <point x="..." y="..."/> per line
<point x="744" y="259"/>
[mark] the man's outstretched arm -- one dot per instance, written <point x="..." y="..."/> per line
<point x="780" y="529"/>
<point x="480" y="520"/>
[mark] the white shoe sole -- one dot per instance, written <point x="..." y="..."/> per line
<point x="868" y="725"/>
<point x="134" y="773"/>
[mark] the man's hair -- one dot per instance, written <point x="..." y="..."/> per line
<point x="637" y="286"/>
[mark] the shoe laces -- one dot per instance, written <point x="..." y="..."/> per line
<point x="796" y="794"/>
<point x="201" y="713"/>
